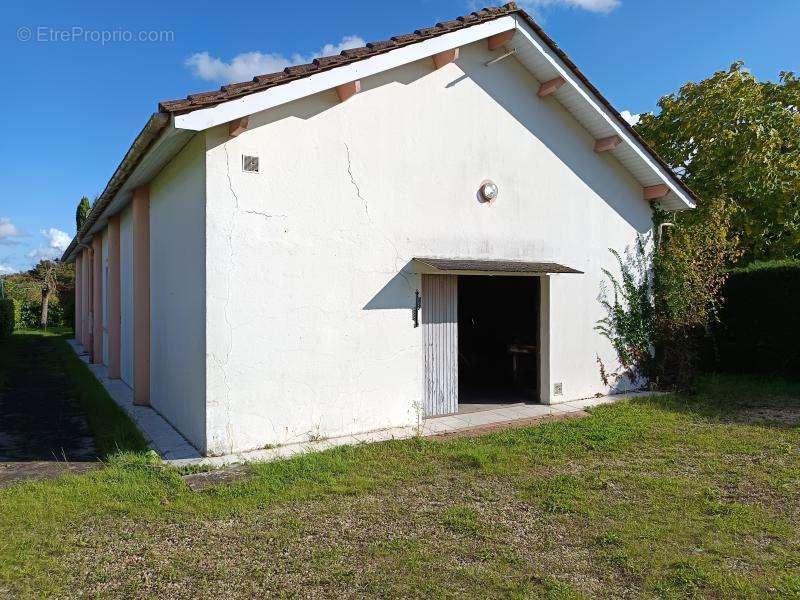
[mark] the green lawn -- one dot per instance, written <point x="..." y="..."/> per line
<point x="114" y="433"/>
<point x="663" y="497"/>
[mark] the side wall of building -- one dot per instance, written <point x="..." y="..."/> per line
<point x="177" y="292"/>
<point x="309" y="273"/>
<point x="126" y="295"/>
<point x="104" y="288"/>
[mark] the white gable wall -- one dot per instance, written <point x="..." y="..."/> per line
<point x="309" y="327"/>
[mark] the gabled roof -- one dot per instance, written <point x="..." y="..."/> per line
<point x="325" y="63"/>
<point x="166" y="131"/>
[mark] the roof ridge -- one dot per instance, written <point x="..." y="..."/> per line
<point x="259" y="83"/>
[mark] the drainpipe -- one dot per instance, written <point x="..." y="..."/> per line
<point x="661" y="227"/>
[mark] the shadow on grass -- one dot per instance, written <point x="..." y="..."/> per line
<point x="744" y="399"/>
<point x="51" y="406"/>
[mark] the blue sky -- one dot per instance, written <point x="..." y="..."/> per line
<point x="72" y="104"/>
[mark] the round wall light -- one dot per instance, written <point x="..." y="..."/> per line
<point x="488" y="190"/>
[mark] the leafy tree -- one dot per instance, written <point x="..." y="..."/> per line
<point x="82" y="213"/>
<point x="44" y="295"/>
<point x="737" y="140"/>
<point x="45" y="274"/>
<point x="690" y="267"/>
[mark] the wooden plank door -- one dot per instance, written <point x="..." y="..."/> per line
<point x="440" y="343"/>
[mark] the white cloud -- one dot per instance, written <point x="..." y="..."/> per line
<point x="631" y="118"/>
<point x="43" y="253"/>
<point x="5" y="269"/>
<point x="57" y="239"/>
<point x="597" y="6"/>
<point x="9" y="232"/>
<point x="57" y="242"/>
<point x="249" y="64"/>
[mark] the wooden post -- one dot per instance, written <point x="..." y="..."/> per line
<point x="446" y="57"/>
<point x="348" y="90"/>
<point x="655" y="192"/>
<point x="550" y="86"/>
<point x="237" y="126"/>
<point x="606" y="144"/>
<point x="501" y="39"/>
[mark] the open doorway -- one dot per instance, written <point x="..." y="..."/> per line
<point x="498" y="341"/>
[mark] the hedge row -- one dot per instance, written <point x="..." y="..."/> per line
<point x="6" y="317"/>
<point x="759" y="321"/>
<point x="29" y="314"/>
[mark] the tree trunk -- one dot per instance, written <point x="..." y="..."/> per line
<point x="678" y="361"/>
<point x="45" y="302"/>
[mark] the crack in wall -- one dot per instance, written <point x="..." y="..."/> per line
<point x="353" y="180"/>
<point x="225" y="366"/>
<point x="263" y="214"/>
<point x="386" y="237"/>
<point x="223" y="361"/>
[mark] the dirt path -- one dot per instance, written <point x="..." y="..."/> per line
<point x="40" y="418"/>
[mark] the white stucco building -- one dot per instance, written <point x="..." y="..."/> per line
<point x="257" y="266"/>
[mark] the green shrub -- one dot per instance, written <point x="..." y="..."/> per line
<point x="6" y="317"/>
<point x="758" y="322"/>
<point x="17" y="312"/>
<point x="28" y="314"/>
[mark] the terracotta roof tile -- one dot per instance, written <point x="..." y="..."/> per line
<point x="361" y="52"/>
<point x="237" y="87"/>
<point x="404" y="39"/>
<point x="381" y="45"/>
<point x="268" y="78"/>
<point x="200" y="97"/>
<point x="300" y="69"/>
<point x="327" y="61"/>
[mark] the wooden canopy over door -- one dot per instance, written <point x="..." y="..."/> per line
<point x="440" y="343"/>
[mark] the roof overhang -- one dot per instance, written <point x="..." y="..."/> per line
<point x="154" y="147"/>
<point x="541" y="57"/>
<point x="477" y="266"/>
